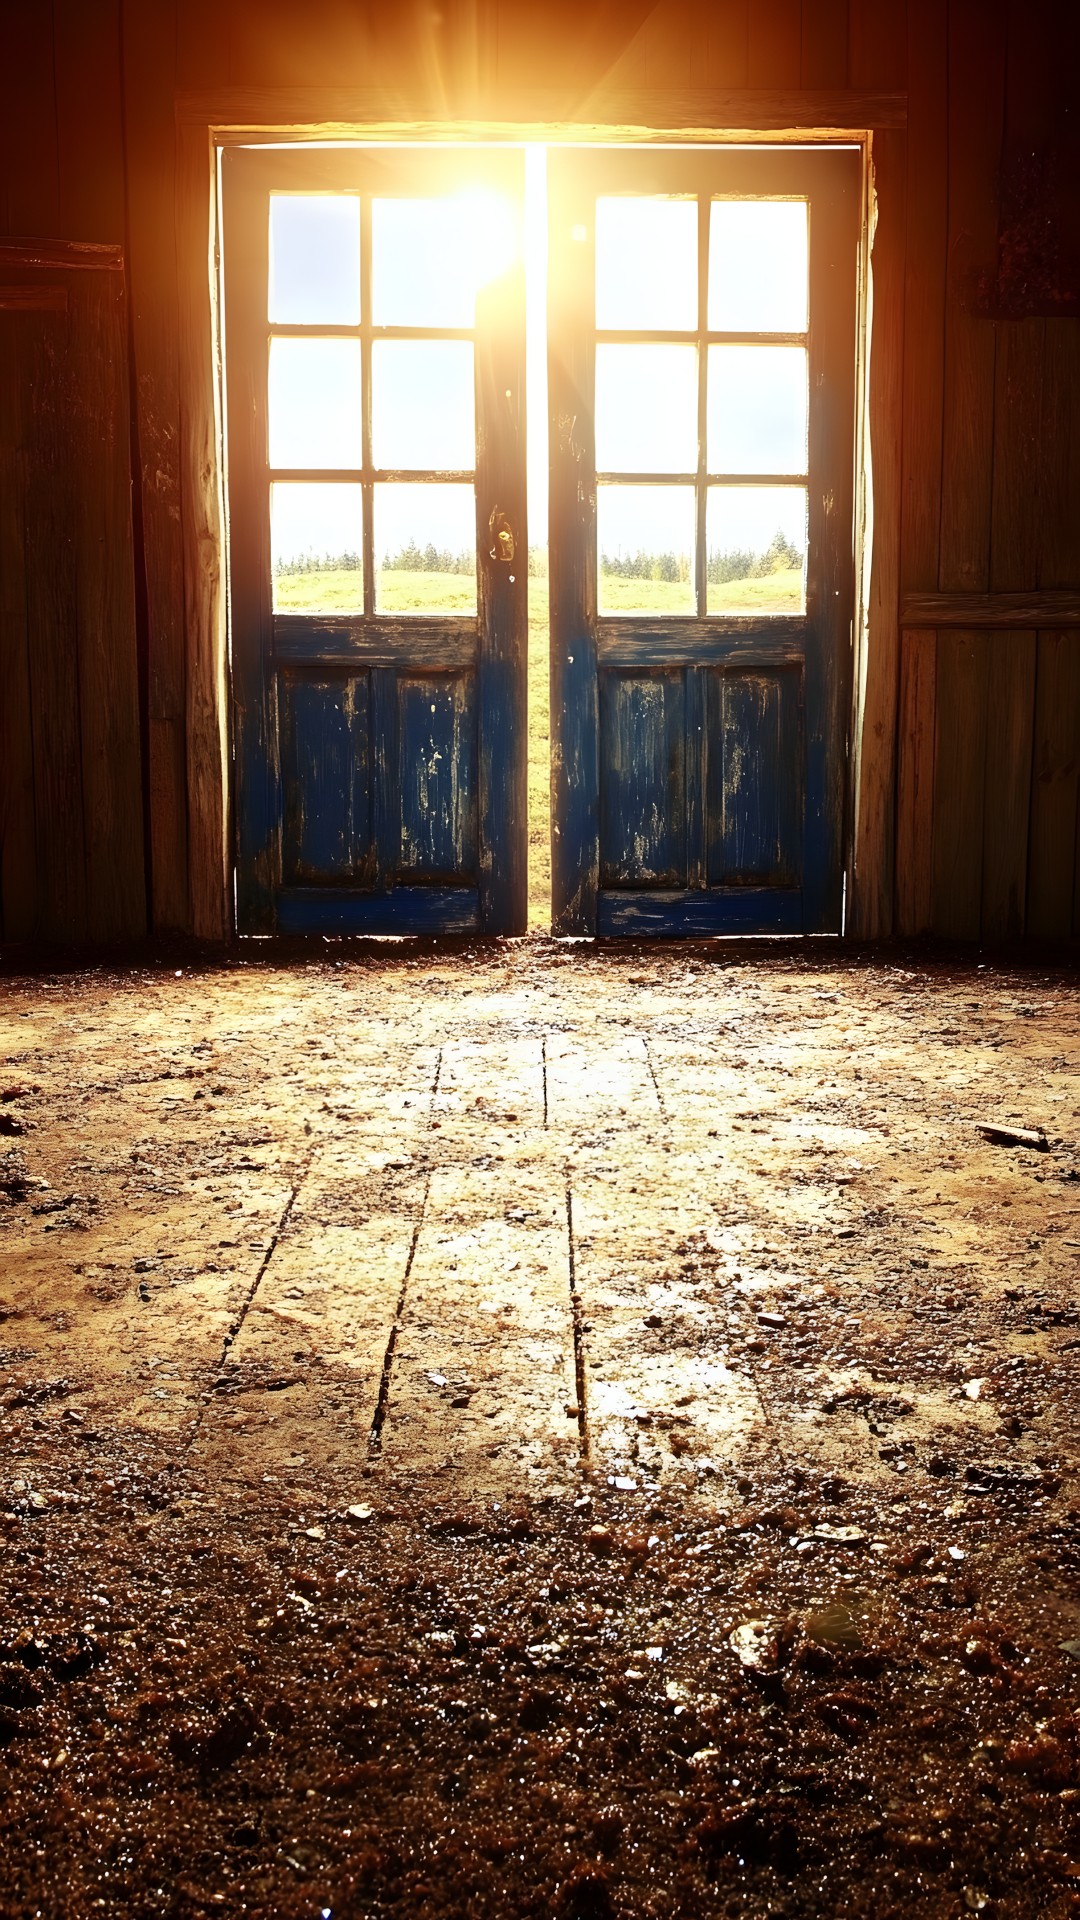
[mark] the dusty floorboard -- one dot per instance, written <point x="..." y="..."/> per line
<point x="634" y="1300"/>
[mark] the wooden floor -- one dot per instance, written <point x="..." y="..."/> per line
<point x="512" y="1215"/>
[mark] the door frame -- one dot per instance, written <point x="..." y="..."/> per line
<point x="191" y="802"/>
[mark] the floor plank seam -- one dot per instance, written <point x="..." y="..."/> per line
<point x="579" y="1331"/>
<point x="656" y="1084"/>
<point x="246" y="1304"/>
<point x="382" y="1405"/>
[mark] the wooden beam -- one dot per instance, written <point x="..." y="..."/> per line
<point x="1046" y="608"/>
<point x="644" y="113"/>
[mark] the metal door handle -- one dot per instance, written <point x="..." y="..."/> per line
<point x="502" y="537"/>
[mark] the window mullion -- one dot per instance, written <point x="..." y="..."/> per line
<point x="701" y="565"/>
<point x="365" y="403"/>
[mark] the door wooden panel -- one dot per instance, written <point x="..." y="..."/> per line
<point x="378" y="670"/>
<point x="437" y="749"/>
<point x="754" y="811"/>
<point x="702" y="422"/>
<point x="643" y="779"/>
<point x="325" y="749"/>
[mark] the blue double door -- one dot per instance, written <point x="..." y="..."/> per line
<point x="701" y="373"/>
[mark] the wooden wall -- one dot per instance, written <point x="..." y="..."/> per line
<point x="71" y="765"/>
<point x="967" y="761"/>
<point x="988" y="726"/>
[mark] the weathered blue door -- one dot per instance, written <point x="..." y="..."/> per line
<point x="374" y="346"/>
<point x="702" y="349"/>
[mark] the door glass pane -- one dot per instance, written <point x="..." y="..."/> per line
<point x="315" y="403"/>
<point x="646" y="263"/>
<point x="425" y="549"/>
<point x="758" y="266"/>
<point x="756" y="539"/>
<point x="645" y="537"/>
<point x="420" y="266"/>
<point x="423" y="406"/>
<point x="316" y="544"/>
<point x="757" y="410"/>
<point x="315" y="259"/>
<point x="431" y="257"/>
<point x="646" y="409"/>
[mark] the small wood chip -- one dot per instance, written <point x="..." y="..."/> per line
<point x="1014" y="1136"/>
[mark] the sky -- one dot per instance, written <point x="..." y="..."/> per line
<point x="427" y="259"/>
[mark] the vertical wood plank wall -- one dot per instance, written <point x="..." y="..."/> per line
<point x="72" y="866"/>
<point x="965" y="804"/>
<point x="988" y="740"/>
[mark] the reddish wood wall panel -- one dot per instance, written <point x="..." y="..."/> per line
<point x="29" y="155"/>
<point x="824" y="43"/>
<point x="727" y="41"/>
<point x="89" y="119"/>
<point x="69" y="737"/>
<point x="774" y="46"/>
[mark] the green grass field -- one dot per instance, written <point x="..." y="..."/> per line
<point x="454" y="593"/>
<point x="342" y="592"/>
<point x="779" y="592"/>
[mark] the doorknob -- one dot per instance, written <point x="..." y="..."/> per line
<point x="502" y="537"/>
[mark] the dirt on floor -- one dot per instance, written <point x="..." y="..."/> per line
<point x="540" y="1430"/>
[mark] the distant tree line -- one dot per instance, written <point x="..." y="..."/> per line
<point x="647" y="566"/>
<point x="409" y="559"/>
<point x="429" y="559"/>
<point x="736" y="563"/>
<point x="319" y="563"/>
<point x="742" y="563"/>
